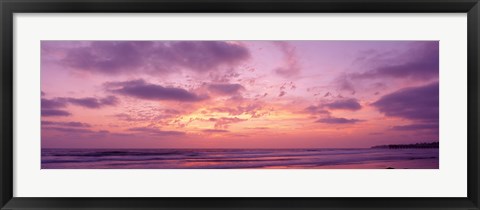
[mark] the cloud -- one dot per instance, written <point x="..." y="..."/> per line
<point x="423" y="126"/>
<point x="224" y="122"/>
<point x="225" y="89"/>
<point x="419" y="62"/>
<point x="343" y="83"/>
<point x="150" y="114"/>
<point x="325" y="116"/>
<point x="77" y="131"/>
<point x="259" y="128"/>
<point x="88" y="102"/>
<point x="291" y="66"/>
<point x="141" y="89"/>
<point x="93" y="103"/>
<point x="53" y="103"/>
<point x="253" y="109"/>
<point x="215" y="131"/>
<point x="345" y="104"/>
<point x="106" y="57"/>
<point x="115" y="57"/>
<point x="54" y="113"/>
<point x="51" y="107"/>
<point x="206" y="55"/>
<point x="67" y="124"/>
<point x="413" y="103"/>
<point x="70" y="130"/>
<point x="335" y="120"/>
<point x="155" y="131"/>
<point x="316" y="110"/>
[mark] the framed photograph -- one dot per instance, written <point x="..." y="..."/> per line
<point x="263" y="104"/>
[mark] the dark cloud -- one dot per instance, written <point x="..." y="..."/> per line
<point x="67" y="124"/>
<point x="420" y="62"/>
<point x="106" y="56"/>
<point x="53" y="103"/>
<point x="114" y="57"/>
<point x="156" y="131"/>
<point x="88" y="102"/>
<point x="335" y="120"/>
<point x="413" y="103"/>
<point x="423" y="126"/>
<point x="93" y="103"/>
<point x="207" y="55"/>
<point x="325" y="116"/>
<point x="77" y="131"/>
<point x="70" y="130"/>
<point x="54" y="113"/>
<point x="346" y="104"/>
<point x="141" y="89"/>
<point x="225" y="89"/>
<point x="316" y="110"/>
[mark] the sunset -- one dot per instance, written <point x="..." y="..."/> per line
<point x="239" y="94"/>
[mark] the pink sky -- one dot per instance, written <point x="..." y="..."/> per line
<point x="238" y="94"/>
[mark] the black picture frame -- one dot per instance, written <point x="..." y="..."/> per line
<point x="10" y="7"/>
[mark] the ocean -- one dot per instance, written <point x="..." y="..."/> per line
<point x="240" y="159"/>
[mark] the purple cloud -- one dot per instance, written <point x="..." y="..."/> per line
<point x="335" y="120"/>
<point x="114" y="57"/>
<point x="420" y="62"/>
<point x="70" y="130"/>
<point x="93" y="103"/>
<point x="53" y="103"/>
<point x="88" y="102"/>
<point x="54" y="113"/>
<point x="156" y="131"/>
<point x="325" y="116"/>
<point x="423" y="126"/>
<point x="106" y="56"/>
<point x="67" y="124"/>
<point x="77" y="131"/>
<point x="141" y="89"/>
<point x="207" y="55"/>
<point x="316" y="110"/>
<point x="291" y="66"/>
<point x="215" y="131"/>
<point x="225" y="89"/>
<point x="346" y="104"/>
<point x="414" y="103"/>
<point x="343" y="83"/>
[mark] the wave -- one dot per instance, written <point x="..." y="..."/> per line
<point x="236" y="158"/>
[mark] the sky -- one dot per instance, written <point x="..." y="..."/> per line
<point x="238" y="94"/>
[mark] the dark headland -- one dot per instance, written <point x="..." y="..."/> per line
<point x="408" y="146"/>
